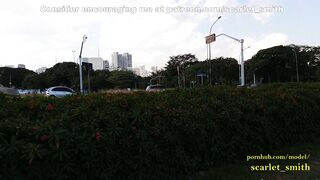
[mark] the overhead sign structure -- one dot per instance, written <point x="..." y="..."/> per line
<point x="201" y="74"/>
<point x="87" y="66"/>
<point x="211" y="38"/>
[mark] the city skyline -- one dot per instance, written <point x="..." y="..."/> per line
<point x="121" y="61"/>
<point x="37" y="37"/>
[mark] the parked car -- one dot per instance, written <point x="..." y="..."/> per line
<point x="6" y="90"/>
<point x="155" y="88"/>
<point x="59" y="91"/>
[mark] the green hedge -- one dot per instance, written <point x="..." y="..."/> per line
<point x="167" y="135"/>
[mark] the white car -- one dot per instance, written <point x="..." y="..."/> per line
<point x="59" y="91"/>
<point x="155" y="88"/>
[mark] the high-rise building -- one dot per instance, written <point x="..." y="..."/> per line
<point x="121" y="61"/>
<point x="97" y="63"/>
<point x="21" y="66"/>
<point x="117" y="62"/>
<point x="41" y="70"/>
<point x="127" y="61"/>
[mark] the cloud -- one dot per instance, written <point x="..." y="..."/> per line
<point x="265" y="9"/>
<point x="40" y="39"/>
<point x="268" y="40"/>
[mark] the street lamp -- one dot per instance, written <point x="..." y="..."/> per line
<point x="240" y="64"/>
<point x="84" y="38"/>
<point x="209" y="46"/>
<point x="247" y="48"/>
<point x="297" y="69"/>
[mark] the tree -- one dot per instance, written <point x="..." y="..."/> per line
<point x="66" y="74"/>
<point x="225" y="70"/>
<point x="122" y="79"/>
<point x="278" y="64"/>
<point x="179" y="64"/>
<point x="34" y="81"/>
<point x="100" y="80"/>
<point x="13" y="75"/>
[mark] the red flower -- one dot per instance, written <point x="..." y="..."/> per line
<point x="44" y="138"/>
<point x="30" y="162"/>
<point x="98" y="136"/>
<point x="30" y="105"/>
<point x="34" y="128"/>
<point x="50" y="107"/>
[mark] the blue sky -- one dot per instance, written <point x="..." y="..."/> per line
<point x="37" y="39"/>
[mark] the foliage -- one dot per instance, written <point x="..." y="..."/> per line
<point x="167" y="135"/>
<point x="122" y="79"/>
<point x="178" y="63"/>
<point x="34" y="81"/>
<point x="224" y="70"/>
<point x="278" y="64"/>
<point x="67" y="74"/>
<point x="17" y="75"/>
<point x="100" y="80"/>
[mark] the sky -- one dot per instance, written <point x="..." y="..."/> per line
<point x="41" y="33"/>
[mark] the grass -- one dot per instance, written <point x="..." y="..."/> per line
<point x="243" y="172"/>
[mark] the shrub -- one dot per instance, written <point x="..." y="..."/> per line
<point x="166" y="135"/>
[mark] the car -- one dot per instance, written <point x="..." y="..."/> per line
<point x="155" y="88"/>
<point x="59" y="91"/>
<point x="10" y="91"/>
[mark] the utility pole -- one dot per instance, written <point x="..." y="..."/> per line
<point x="183" y="77"/>
<point x="10" y="83"/>
<point x="88" y="80"/>
<point x="84" y="38"/>
<point x="297" y="68"/>
<point x="209" y="44"/>
<point x="242" y="64"/>
<point x="178" y="69"/>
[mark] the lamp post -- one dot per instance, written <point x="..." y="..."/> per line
<point x="240" y="64"/>
<point x="84" y="38"/>
<point x="209" y="46"/>
<point x="297" y="68"/>
<point x="178" y="70"/>
<point x="10" y="83"/>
